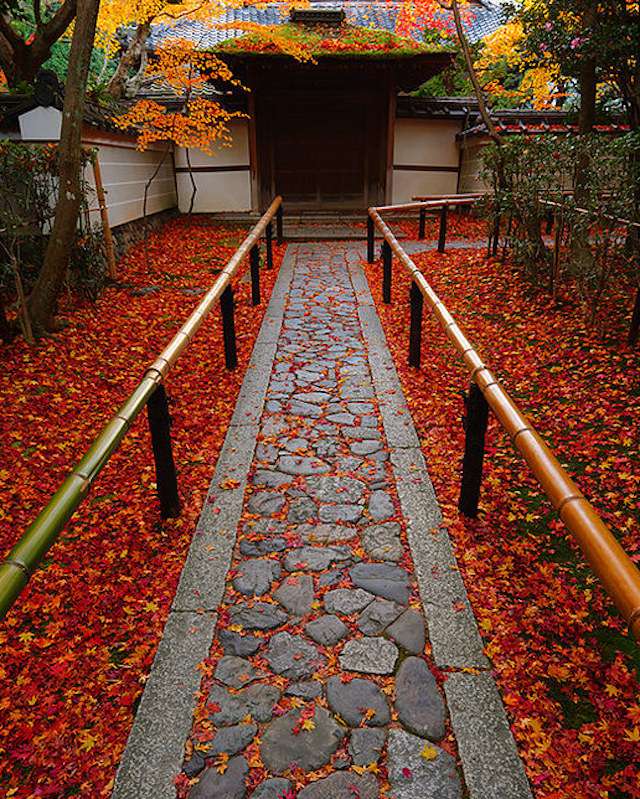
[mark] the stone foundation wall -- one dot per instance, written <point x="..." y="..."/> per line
<point x="125" y="236"/>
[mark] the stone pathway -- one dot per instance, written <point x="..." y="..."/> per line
<point x="320" y="680"/>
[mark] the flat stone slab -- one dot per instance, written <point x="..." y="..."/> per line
<point x="358" y="700"/>
<point x="286" y="744"/>
<point x="265" y="503"/>
<point x="377" y="616"/>
<point x="347" y="600"/>
<point x="256" y="701"/>
<point x="326" y="533"/>
<point x="408" y="632"/>
<point x="236" y="672"/>
<point x="235" y="644"/>
<point x="273" y="788"/>
<point x="341" y="512"/>
<point x="301" y="465"/>
<point x="336" y="489"/>
<point x="296" y="594"/>
<point x="382" y="541"/>
<point x="230" y="785"/>
<point x="255" y="576"/>
<point x="342" y="785"/>
<point x="232" y="740"/>
<point x="262" y="616"/>
<point x="380" y="503"/>
<point x="315" y="558"/>
<point x="418" y="701"/>
<point x="366" y="744"/>
<point x="307" y="689"/>
<point x="293" y="657"/>
<point x="418" y="769"/>
<point x="369" y="655"/>
<point x="327" y="630"/>
<point x="383" y="579"/>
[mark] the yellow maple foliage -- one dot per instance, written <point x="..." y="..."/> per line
<point x="538" y="85"/>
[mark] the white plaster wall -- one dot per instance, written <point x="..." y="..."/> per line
<point x="424" y="143"/>
<point x="471" y="165"/>
<point x="218" y="189"/>
<point x="125" y="172"/>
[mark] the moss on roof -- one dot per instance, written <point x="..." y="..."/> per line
<point x="347" y="41"/>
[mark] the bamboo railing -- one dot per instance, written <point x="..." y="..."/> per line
<point x="28" y="552"/>
<point x="615" y="569"/>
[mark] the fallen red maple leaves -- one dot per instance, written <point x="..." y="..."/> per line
<point x="81" y="639"/>
<point x="569" y="674"/>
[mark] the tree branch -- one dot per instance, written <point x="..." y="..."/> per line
<point x="473" y="77"/>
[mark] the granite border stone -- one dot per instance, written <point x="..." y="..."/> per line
<point x="154" y="752"/>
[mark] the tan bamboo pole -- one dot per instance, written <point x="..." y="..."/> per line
<point x="104" y="215"/>
<point x="615" y="569"/>
<point x="25" y="556"/>
<point x="466" y="200"/>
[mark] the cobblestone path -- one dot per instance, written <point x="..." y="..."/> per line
<point x="321" y="682"/>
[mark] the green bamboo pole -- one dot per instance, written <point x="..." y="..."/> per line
<point x="28" y="552"/>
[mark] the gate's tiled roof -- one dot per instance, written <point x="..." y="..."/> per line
<point x="485" y="18"/>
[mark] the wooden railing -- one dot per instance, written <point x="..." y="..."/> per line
<point x="615" y="569"/>
<point x="27" y="554"/>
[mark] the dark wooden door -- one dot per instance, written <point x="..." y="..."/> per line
<point x="322" y="145"/>
<point x="319" y="153"/>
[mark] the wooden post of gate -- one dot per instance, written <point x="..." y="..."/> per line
<point x="415" y="331"/>
<point x="228" y="328"/>
<point x="268" y="235"/>
<point x="104" y="215"/>
<point x="475" y="425"/>
<point x="386" y="272"/>
<point x="371" y="232"/>
<point x="422" y="223"/>
<point x="442" y="237"/>
<point x="254" y="262"/>
<point x="166" y="477"/>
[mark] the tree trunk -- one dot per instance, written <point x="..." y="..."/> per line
<point x="43" y="299"/>
<point x="133" y="55"/>
<point x="20" y="61"/>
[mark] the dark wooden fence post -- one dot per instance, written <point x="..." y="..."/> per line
<point x="475" y="425"/>
<point x="549" y="226"/>
<point x="228" y="328"/>
<point x="496" y="236"/>
<point x="254" y="262"/>
<point x="422" y="223"/>
<point x="371" y="233"/>
<point x="166" y="477"/>
<point x="279" y="224"/>
<point x="268" y="235"/>
<point x="386" y="272"/>
<point x="415" y="331"/>
<point x="442" y="236"/>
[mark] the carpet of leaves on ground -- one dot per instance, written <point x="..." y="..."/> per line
<point x="568" y="671"/>
<point x="78" y="644"/>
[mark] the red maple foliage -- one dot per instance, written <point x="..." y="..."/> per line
<point x="568" y="671"/>
<point x="79" y="643"/>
